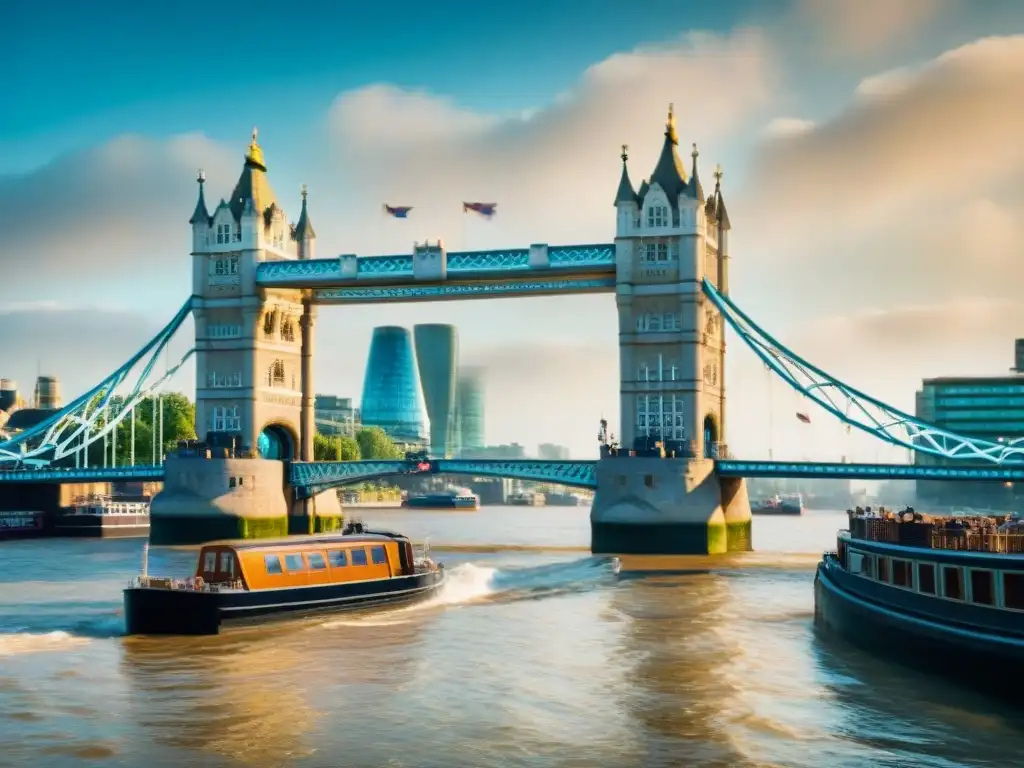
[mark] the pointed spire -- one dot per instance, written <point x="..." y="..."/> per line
<point x="723" y="215"/>
<point x="625" y="193"/>
<point x="255" y="153"/>
<point x="200" y="214"/>
<point x="252" y="188"/>
<point x="669" y="173"/>
<point x="304" y="227"/>
<point x="696" y="190"/>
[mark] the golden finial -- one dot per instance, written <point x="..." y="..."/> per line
<point x="201" y="176"/>
<point x="695" y="153"/>
<point x="718" y="175"/>
<point x="625" y="152"/>
<point x="255" y="153"/>
<point x="304" y="191"/>
<point x="670" y="128"/>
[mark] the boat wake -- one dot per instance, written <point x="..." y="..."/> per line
<point x="21" y="643"/>
<point x="469" y="583"/>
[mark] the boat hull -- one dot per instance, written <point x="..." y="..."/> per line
<point x="985" y="660"/>
<point x="783" y="511"/>
<point x="153" y="611"/>
<point x="441" y="504"/>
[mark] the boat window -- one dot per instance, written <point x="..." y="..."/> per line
<point x="210" y="562"/>
<point x="953" y="582"/>
<point x="883" y="568"/>
<point x="227" y="563"/>
<point x="1013" y="591"/>
<point x="294" y="562"/>
<point x="982" y="587"/>
<point x="926" y="578"/>
<point x="231" y="482"/>
<point x="316" y="561"/>
<point x="337" y="558"/>
<point x="273" y="563"/>
<point x="379" y="556"/>
<point x="862" y="565"/>
<point x="902" y="574"/>
<point x="359" y="556"/>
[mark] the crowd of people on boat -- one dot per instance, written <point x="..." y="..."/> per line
<point x="1005" y="523"/>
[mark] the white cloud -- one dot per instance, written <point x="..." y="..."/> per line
<point x="780" y="127"/>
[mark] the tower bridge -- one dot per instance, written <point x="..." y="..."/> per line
<point x="257" y="283"/>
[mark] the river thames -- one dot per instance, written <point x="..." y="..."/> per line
<point x="535" y="655"/>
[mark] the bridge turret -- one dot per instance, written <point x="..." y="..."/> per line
<point x="249" y="368"/>
<point x="670" y="344"/>
<point x="303" y="234"/>
<point x="626" y="202"/>
<point x="200" y="220"/>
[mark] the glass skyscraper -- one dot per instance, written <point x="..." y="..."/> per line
<point x="437" y="355"/>
<point x="469" y="406"/>
<point x="391" y="389"/>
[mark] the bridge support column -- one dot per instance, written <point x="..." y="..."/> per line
<point x="654" y="506"/>
<point x="208" y="499"/>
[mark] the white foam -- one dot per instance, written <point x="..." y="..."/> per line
<point x="463" y="584"/>
<point x="466" y="583"/>
<point x="21" y="643"/>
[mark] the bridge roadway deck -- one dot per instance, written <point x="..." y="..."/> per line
<point x="582" y="474"/>
<point x="535" y="271"/>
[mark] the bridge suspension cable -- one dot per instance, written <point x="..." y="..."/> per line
<point x="855" y="408"/>
<point x="87" y="418"/>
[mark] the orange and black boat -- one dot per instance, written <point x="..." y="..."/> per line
<point x="250" y="581"/>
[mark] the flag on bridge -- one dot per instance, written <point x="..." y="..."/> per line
<point x="397" y="211"/>
<point x="487" y="210"/>
<point x="803" y="417"/>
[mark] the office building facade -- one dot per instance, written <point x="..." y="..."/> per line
<point x="990" y="408"/>
<point x="469" y="411"/>
<point x="336" y="416"/>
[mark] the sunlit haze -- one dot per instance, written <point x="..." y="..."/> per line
<point x="872" y="159"/>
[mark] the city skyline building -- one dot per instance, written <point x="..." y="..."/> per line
<point x="469" y="410"/>
<point x="986" y="407"/>
<point x="336" y="416"/>
<point x="437" y="359"/>
<point x="391" y="388"/>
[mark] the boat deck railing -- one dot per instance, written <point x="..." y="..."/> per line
<point x="184" y="585"/>
<point x="929" y="535"/>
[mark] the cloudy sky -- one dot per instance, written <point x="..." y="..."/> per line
<point x="872" y="154"/>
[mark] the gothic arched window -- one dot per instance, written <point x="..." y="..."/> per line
<point x="277" y="373"/>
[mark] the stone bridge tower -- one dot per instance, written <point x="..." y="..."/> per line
<point x="660" y="495"/>
<point x="249" y="341"/>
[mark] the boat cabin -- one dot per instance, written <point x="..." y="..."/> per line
<point x="299" y="561"/>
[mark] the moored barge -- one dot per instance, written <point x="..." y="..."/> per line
<point x="942" y="593"/>
<point x="250" y="581"/>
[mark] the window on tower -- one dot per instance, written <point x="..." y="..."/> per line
<point x="226" y="419"/>
<point x="657" y="216"/>
<point x="276" y="374"/>
<point x="656" y="252"/>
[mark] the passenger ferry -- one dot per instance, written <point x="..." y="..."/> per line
<point x="105" y="516"/>
<point x="250" y="581"/>
<point x="947" y="593"/>
<point x="792" y="504"/>
<point x="453" y="498"/>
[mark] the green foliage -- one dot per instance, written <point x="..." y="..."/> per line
<point x="374" y="444"/>
<point x="328" y="448"/>
<point x="179" y="417"/>
<point x="349" y="448"/>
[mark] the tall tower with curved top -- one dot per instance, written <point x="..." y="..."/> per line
<point x="661" y="495"/>
<point x="437" y="356"/>
<point x="391" y="387"/>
